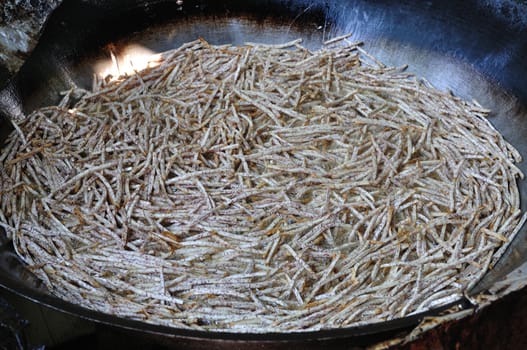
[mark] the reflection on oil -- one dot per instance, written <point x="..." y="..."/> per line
<point x="125" y="61"/>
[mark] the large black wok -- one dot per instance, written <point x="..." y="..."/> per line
<point x="477" y="49"/>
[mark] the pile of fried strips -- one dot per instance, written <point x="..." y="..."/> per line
<point x="260" y="188"/>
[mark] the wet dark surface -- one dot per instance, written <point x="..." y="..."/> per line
<point x="468" y="47"/>
<point x="500" y="326"/>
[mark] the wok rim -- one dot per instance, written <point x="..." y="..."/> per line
<point x="392" y="326"/>
<point x="397" y="324"/>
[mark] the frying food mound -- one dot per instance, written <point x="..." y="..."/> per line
<point x="260" y="188"/>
